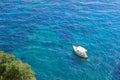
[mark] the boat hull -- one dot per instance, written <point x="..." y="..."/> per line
<point x="78" y="53"/>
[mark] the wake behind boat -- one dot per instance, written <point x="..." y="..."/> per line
<point x="80" y="51"/>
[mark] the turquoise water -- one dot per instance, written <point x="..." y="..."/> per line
<point x="42" y="32"/>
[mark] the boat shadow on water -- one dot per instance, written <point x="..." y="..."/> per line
<point x="116" y="72"/>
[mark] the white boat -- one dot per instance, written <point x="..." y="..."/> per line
<point x="80" y="51"/>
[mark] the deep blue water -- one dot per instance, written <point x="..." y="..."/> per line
<point x="42" y="32"/>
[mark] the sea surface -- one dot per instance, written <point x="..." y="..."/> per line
<point x="42" y="32"/>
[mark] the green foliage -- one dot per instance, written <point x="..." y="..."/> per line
<point x="6" y="58"/>
<point x="13" y="69"/>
